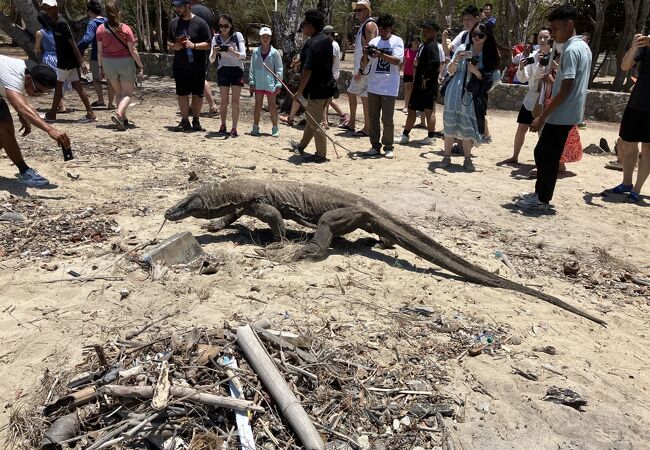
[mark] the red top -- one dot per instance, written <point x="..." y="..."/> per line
<point x="111" y="47"/>
<point x="409" y="58"/>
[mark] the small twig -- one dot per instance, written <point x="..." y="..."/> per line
<point x="138" y="332"/>
<point x="80" y="279"/>
<point x="446" y="439"/>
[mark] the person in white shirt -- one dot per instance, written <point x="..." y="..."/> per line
<point x="336" y="72"/>
<point x="382" y="57"/>
<point x="531" y="69"/>
<point x="17" y="78"/>
<point x="470" y="17"/>
<point x="359" y="84"/>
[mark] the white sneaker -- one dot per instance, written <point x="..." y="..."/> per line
<point x="532" y="203"/>
<point x="428" y="141"/>
<point x="389" y="154"/>
<point x="32" y="178"/>
<point x="371" y="152"/>
<point x="403" y="139"/>
<point x="524" y="195"/>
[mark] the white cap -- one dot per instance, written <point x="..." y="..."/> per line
<point x="265" y="30"/>
<point x="49" y="3"/>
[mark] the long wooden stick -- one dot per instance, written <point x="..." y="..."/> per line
<point x="178" y="392"/>
<point x="290" y="406"/>
<point x="317" y="122"/>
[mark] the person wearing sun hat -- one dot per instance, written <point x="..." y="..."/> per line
<point x="262" y="83"/>
<point x="19" y="77"/>
<point x="359" y="84"/>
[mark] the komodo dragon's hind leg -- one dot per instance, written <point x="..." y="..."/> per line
<point x="269" y="215"/>
<point x="333" y="223"/>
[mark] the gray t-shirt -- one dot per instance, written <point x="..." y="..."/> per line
<point x="575" y="64"/>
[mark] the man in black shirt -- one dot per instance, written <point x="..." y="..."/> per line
<point x="316" y="83"/>
<point x="425" y="84"/>
<point x="69" y="62"/>
<point x="204" y="13"/>
<point x="189" y="37"/>
<point x="635" y="125"/>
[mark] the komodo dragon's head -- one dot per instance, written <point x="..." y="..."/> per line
<point x="191" y="206"/>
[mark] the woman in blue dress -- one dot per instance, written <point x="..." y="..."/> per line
<point x="473" y="69"/>
<point x="46" y="49"/>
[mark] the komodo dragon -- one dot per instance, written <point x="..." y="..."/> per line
<point x="332" y="212"/>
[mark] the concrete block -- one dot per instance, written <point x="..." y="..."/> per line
<point x="181" y="248"/>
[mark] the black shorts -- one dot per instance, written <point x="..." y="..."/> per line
<point x="408" y="78"/>
<point x="525" y="117"/>
<point x="189" y="81"/>
<point x="5" y="114"/>
<point x="635" y="126"/>
<point x="230" y="76"/>
<point x="422" y="99"/>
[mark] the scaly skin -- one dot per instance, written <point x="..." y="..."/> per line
<point x="333" y="212"/>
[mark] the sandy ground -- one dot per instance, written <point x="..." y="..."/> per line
<point x="132" y="177"/>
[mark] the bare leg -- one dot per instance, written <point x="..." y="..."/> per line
<point x="207" y="92"/>
<point x="335" y="106"/>
<point x="197" y="104"/>
<point x="487" y="130"/>
<point x="449" y="143"/>
<point x="184" y="106"/>
<point x="430" y="116"/>
<point x="561" y="168"/>
<point x="58" y="95"/>
<point x="273" y="108"/>
<point x="97" y="85"/>
<point x="224" y="92"/>
<point x="644" y="168"/>
<point x="410" y="120"/>
<point x="76" y="85"/>
<point x="366" y="120"/>
<point x="629" y="152"/>
<point x="126" y="91"/>
<point x="8" y="141"/>
<point x="520" y="138"/>
<point x="326" y="121"/>
<point x="408" y="89"/>
<point x="467" y="148"/>
<point x="352" y="101"/>
<point x="111" y="95"/>
<point x="236" y="93"/>
<point x="257" y="112"/>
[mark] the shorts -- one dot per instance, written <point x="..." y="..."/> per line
<point x="635" y="126"/>
<point x="67" y="74"/>
<point x="360" y="87"/>
<point x="94" y="69"/>
<point x="189" y="80"/>
<point x="263" y="92"/>
<point x="525" y="117"/>
<point x="422" y="99"/>
<point x="408" y="78"/>
<point x="5" y="114"/>
<point x="120" y="69"/>
<point x="230" y="76"/>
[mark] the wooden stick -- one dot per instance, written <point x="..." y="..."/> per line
<point x="130" y="335"/>
<point x="290" y="406"/>
<point x="177" y="392"/>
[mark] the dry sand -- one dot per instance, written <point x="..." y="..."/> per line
<point x="132" y="177"/>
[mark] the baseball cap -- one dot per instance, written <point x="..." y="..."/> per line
<point x="363" y="4"/>
<point x="180" y="2"/>
<point x="431" y="24"/>
<point x="328" y="29"/>
<point x="42" y="74"/>
<point x="49" y="3"/>
<point x="265" y="30"/>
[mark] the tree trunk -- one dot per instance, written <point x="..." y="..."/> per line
<point x="325" y="6"/>
<point x="138" y="24"/>
<point x="28" y="13"/>
<point x="21" y="37"/>
<point x="596" y="37"/>
<point x="159" y="29"/>
<point x="147" y="27"/>
<point x="631" y="16"/>
<point x="285" y="29"/>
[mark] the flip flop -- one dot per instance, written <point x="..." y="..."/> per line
<point x="87" y="120"/>
<point x="361" y="133"/>
<point x="287" y="121"/>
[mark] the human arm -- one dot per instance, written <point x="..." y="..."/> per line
<point x="630" y="58"/>
<point x="28" y="114"/>
<point x="100" y="58"/>
<point x="371" y="32"/>
<point x="240" y="53"/>
<point x="279" y="71"/>
<point x="88" y="37"/>
<point x="202" y="39"/>
<point x="172" y="45"/>
<point x="38" y="43"/>
<point x="136" y="57"/>
<point x="452" y="67"/>
<point x="560" y="97"/>
<point x="215" y="50"/>
<point x="396" y="57"/>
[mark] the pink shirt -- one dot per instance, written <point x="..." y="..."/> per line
<point x="111" y="47"/>
<point x="409" y="58"/>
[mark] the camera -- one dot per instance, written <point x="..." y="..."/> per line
<point x="371" y="50"/>
<point x="224" y="48"/>
<point x="545" y="59"/>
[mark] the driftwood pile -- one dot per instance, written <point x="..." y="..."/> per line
<point x="254" y="387"/>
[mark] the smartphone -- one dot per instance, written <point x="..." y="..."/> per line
<point x="224" y="48"/>
<point x="529" y="60"/>
<point x="180" y="39"/>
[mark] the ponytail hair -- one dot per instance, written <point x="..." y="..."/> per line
<point x="113" y="14"/>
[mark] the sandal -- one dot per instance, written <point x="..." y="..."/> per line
<point x="287" y="120"/>
<point x="361" y="133"/>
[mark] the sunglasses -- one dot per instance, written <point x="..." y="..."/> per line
<point x="224" y="25"/>
<point x="478" y="35"/>
<point x="359" y="9"/>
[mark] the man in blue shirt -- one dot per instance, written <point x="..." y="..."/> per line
<point x="94" y="11"/>
<point x="565" y="110"/>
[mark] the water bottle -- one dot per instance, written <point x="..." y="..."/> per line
<point x="190" y="54"/>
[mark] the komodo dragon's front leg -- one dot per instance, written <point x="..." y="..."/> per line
<point x="333" y="223"/>
<point x="221" y="223"/>
<point x="266" y="213"/>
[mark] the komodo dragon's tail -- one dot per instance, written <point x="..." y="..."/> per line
<point x="422" y="245"/>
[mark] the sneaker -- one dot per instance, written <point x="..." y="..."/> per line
<point x="532" y="203"/>
<point x="468" y="165"/>
<point x="297" y="149"/>
<point x="428" y="141"/>
<point x="196" y="125"/>
<point x="222" y="129"/>
<point x="524" y="195"/>
<point x="439" y="134"/>
<point x="487" y="139"/>
<point x="183" y="126"/>
<point x="119" y="122"/>
<point x="317" y="159"/>
<point x="445" y="163"/>
<point x="389" y="154"/>
<point x="255" y="131"/>
<point x="371" y="152"/>
<point x="275" y="132"/>
<point x="634" y="197"/>
<point x="403" y="139"/>
<point x="620" y="189"/>
<point x="97" y="104"/>
<point x="233" y="133"/>
<point x="32" y="178"/>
